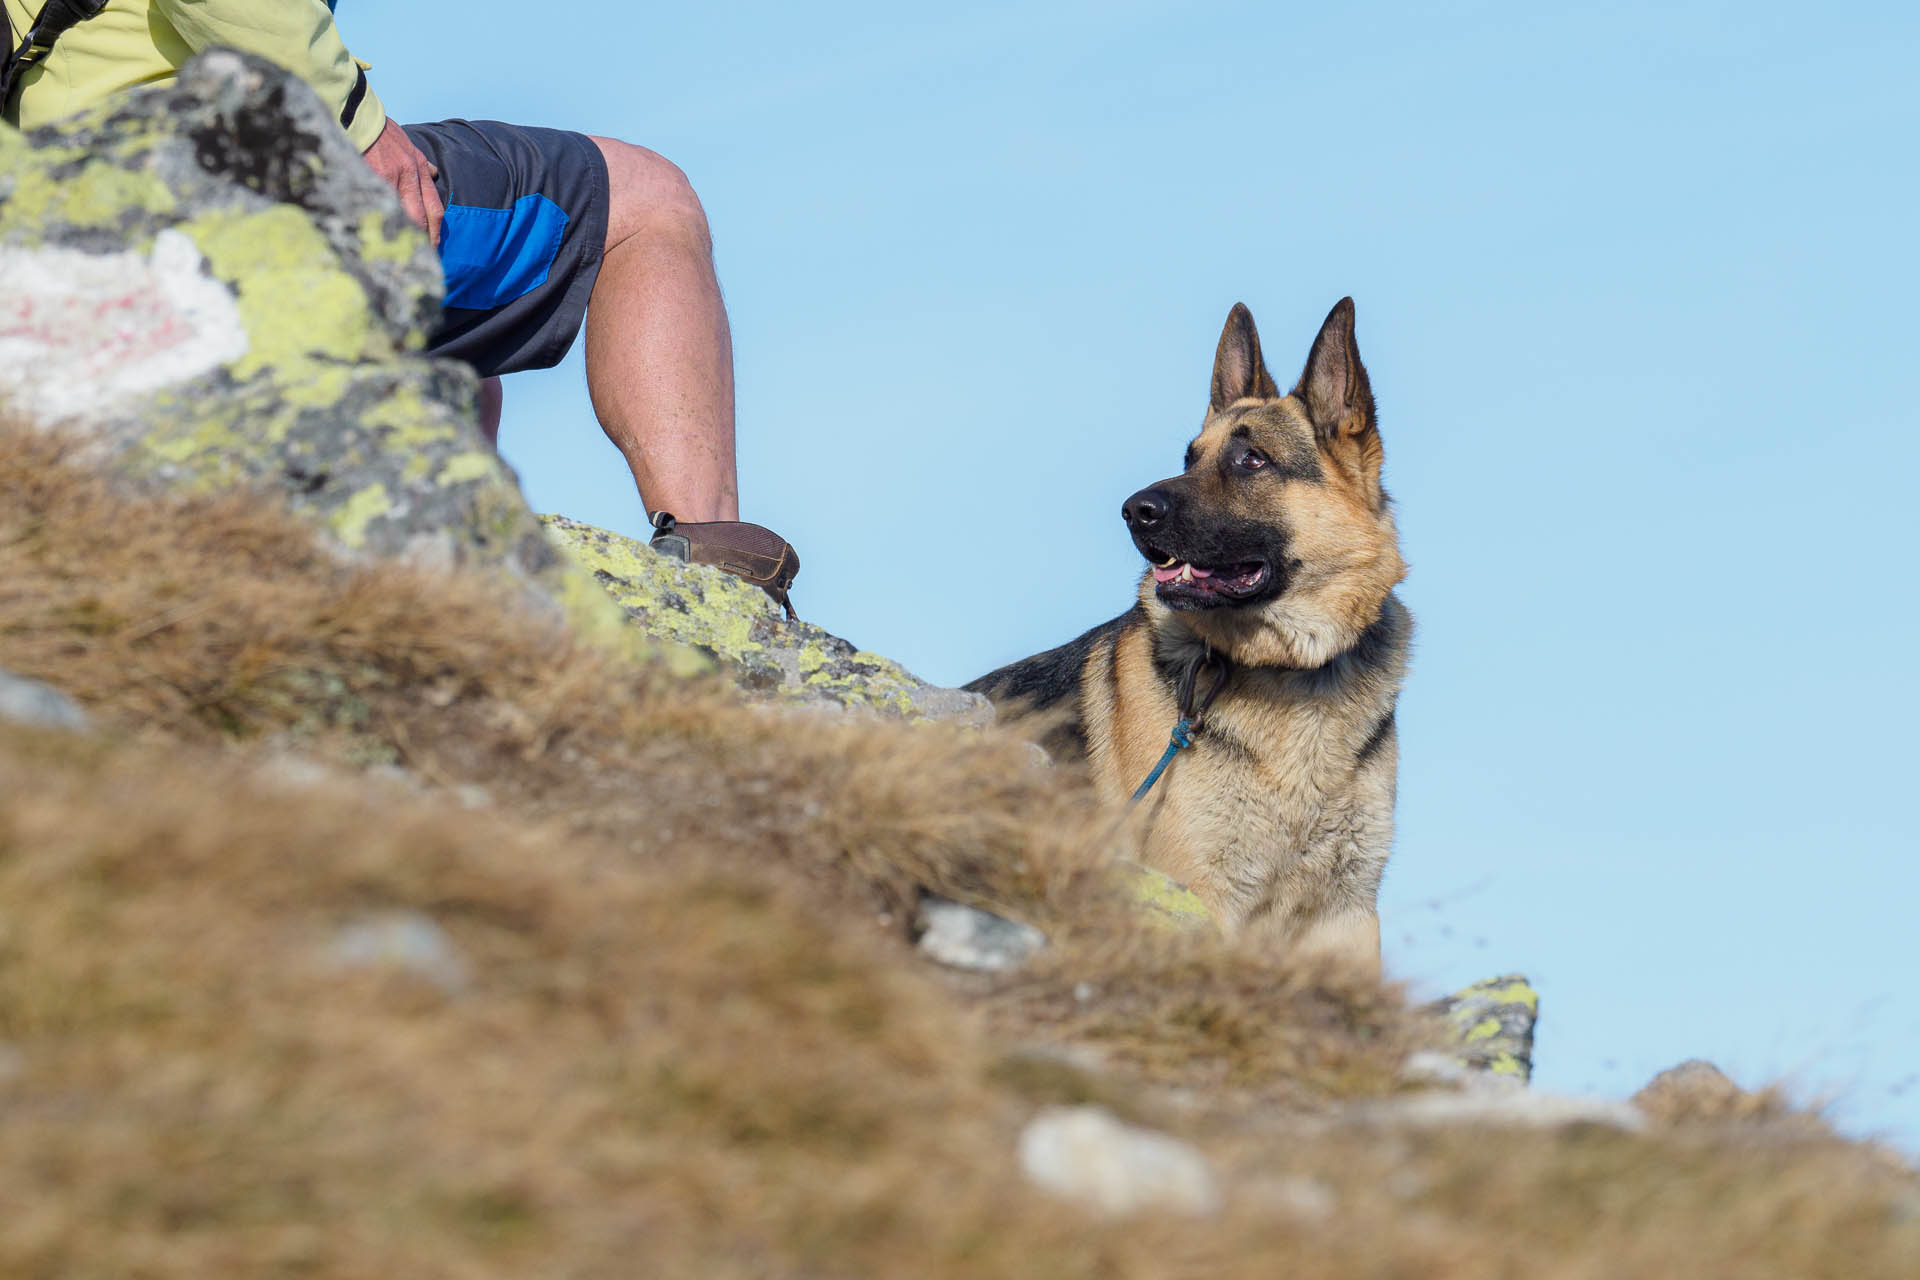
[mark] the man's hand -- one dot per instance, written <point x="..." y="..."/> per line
<point x="401" y="166"/>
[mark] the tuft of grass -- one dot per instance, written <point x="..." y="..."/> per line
<point x="693" y="1038"/>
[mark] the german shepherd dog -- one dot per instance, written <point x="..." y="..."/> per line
<point x="1271" y="563"/>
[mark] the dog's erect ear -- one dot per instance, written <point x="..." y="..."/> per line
<point x="1238" y="370"/>
<point x="1334" y="384"/>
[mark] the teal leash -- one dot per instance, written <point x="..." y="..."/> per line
<point x="1182" y="739"/>
<point x="1189" y="722"/>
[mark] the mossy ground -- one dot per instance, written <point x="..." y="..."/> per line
<point x="695" y="1040"/>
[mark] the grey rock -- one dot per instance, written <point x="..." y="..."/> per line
<point x="1491" y="1025"/>
<point x="1086" y="1155"/>
<point x="737" y="624"/>
<point x="42" y="706"/>
<point x="968" y="938"/>
<point x="933" y="702"/>
<point x="1694" y="1079"/>
<point x="1440" y="1069"/>
<point x="399" y="941"/>
<point x="272" y="303"/>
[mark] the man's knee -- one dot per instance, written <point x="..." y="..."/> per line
<point x="648" y="195"/>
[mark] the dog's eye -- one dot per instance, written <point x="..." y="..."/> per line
<point x="1252" y="460"/>
<point x="1188" y="464"/>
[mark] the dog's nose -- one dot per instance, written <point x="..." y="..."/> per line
<point x="1145" y="509"/>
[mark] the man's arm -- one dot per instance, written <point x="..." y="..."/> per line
<point x="300" y="36"/>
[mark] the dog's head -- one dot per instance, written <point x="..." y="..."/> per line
<point x="1276" y="545"/>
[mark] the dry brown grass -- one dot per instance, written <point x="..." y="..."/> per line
<point x="694" y="1040"/>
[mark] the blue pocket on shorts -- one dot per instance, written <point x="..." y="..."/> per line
<point x="492" y="256"/>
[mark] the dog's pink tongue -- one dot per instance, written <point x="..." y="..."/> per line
<point x="1173" y="571"/>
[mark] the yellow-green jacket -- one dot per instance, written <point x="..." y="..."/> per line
<point x="139" y="42"/>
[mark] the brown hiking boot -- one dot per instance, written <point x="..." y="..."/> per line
<point x="749" y="551"/>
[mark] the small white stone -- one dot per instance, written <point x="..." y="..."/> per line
<point x="30" y="702"/>
<point x="406" y="941"/>
<point x="293" y="772"/>
<point x="1297" y="1196"/>
<point x="1087" y="1155"/>
<point x="968" y="938"/>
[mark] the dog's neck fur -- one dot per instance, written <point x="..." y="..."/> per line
<point x="1279" y="637"/>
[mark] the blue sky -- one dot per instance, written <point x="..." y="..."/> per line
<point x="1635" y="286"/>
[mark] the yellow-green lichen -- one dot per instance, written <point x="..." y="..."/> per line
<point x="462" y="467"/>
<point x="350" y="521"/>
<point x="15" y="153"/>
<point x="1164" y="901"/>
<point x="1514" y="992"/>
<point x="219" y="434"/>
<point x="597" y="622"/>
<point x="735" y="621"/>
<point x="97" y="196"/>
<point x="321" y="384"/>
<point x="294" y="299"/>
<point x="719" y="618"/>
<point x="211" y="447"/>
<point x="377" y="246"/>
<point x="408" y="422"/>
<point x="1486" y="1029"/>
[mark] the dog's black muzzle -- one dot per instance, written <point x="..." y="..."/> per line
<point x="1203" y="561"/>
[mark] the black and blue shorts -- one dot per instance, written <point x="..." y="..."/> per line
<point x="525" y="228"/>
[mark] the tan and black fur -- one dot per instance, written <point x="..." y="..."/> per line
<point x="1280" y="815"/>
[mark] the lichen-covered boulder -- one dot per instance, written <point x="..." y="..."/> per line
<point x="737" y="623"/>
<point x="1490" y="1025"/>
<point x="206" y="286"/>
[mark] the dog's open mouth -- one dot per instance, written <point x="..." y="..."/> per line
<point x="1181" y="579"/>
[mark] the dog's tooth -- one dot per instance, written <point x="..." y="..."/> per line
<point x="1186" y="573"/>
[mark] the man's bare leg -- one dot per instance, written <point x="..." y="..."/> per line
<point x="659" y="352"/>
<point x="491" y="400"/>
